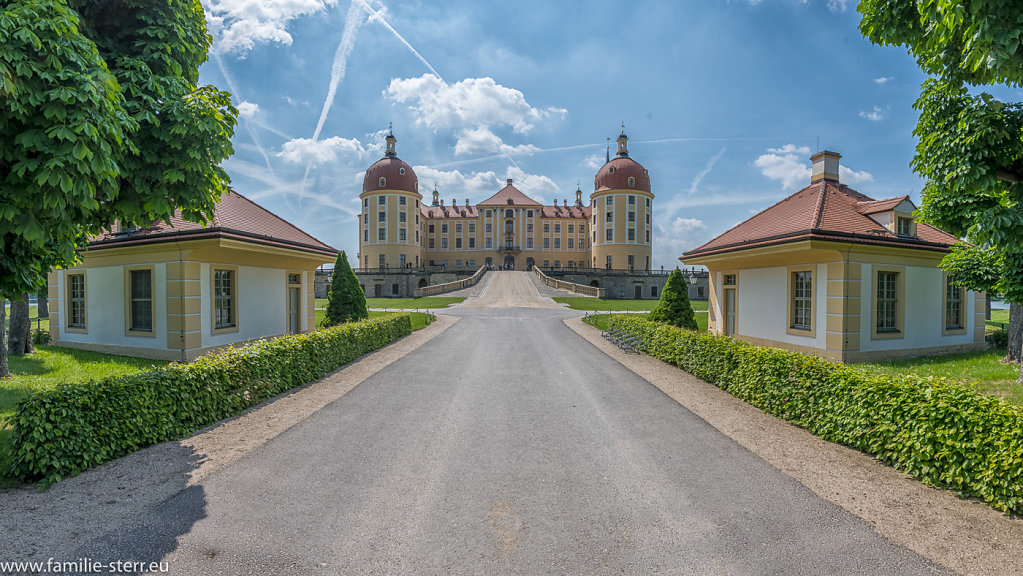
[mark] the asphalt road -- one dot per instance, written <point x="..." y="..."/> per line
<point x="507" y="444"/>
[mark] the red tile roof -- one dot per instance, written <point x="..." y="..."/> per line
<point x="507" y="193"/>
<point x="565" y="212"/>
<point x="875" y="206"/>
<point x="823" y="210"/>
<point x="234" y="216"/>
<point x="448" y="211"/>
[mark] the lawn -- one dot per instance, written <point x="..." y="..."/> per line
<point x="37" y="323"/>
<point x="50" y="366"/>
<point x="426" y="303"/>
<point x="47" y="368"/>
<point x="598" y="305"/>
<point x="419" y="319"/>
<point x="999" y="319"/>
<point x="600" y="320"/>
<point x="985" y="368"/>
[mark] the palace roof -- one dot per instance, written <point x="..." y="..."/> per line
<point x="234" y="216"/>
<point x="824" y="210"/>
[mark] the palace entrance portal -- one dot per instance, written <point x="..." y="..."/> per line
<point x="509" y="262"/>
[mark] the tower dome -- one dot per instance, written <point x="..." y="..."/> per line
<point x="390" y="172"/>
<point x="622" y="172"/>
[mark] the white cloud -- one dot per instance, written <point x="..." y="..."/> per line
<point x="875" y="115"/>
<point x="786" y="165"/>
<point x="883" y="80"/>
<point x="455" y="184"/>
<point x="482" y="142"/>
<point x="838" y="5"/>
<point x="468" y="102"/>
<point x="851" y="177"/>
<point x="238" y="25"/>
<point x="594" y="162"/>
<point x="315" y="152"/>
<point x="680" y="235"/>
<point x="247" y="109"/>
<point x="536" y="186"/>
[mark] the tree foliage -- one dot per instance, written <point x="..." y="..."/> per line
<point x="970" y="146"/>
<point x="674" y="307"/>
<point x="102" y="120"/>
<point x="346" y="301"/>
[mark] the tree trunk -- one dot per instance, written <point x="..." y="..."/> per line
<point x="20" y="340"/>
<point x="5" y="371"/>
<point x="1015" y="347"/>
<point x="43" y="307"/>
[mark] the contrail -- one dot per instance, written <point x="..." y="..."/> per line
<point x="340" y="67"/>
<point x="375" y="15"/>
<point x="248" y="126"/>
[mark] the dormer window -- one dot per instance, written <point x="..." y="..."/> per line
<point x="904" y="226"/>
<point x="401" y="171"/>
<point x="510" y="202"/>
<point x="632" y="181"/>
<point x="611" y="170"/>
<point x="383" y="181"/>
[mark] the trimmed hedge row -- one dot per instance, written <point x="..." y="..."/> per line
<point x="61" y="432"/>
<point x="944" y="433"/>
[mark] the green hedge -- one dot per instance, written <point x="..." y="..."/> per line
<point x="60" y="432"/>
<point x="944" y="433"/>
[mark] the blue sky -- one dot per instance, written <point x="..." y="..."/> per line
<point x="723" y="101"/>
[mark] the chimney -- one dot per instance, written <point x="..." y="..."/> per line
<point x="454" y="202"/>
<point x="825" y="166"/>
<point x="509" y="181"/>
<point x="442" y="202"/>
<point x="466" y="202"/>
<point x="564" y="202"/>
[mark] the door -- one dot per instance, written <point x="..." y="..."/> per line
<point x="639" y="293"/>
<point x="294" y="320"/>
<point x="509" y="262"/>
<point x="378" y="291"/>
<point x="729" y="311"/>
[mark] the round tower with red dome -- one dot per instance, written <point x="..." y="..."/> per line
<point x="389" y="223"/>
<point x="622" y="217"/>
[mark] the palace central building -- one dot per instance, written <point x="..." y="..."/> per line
<point x="509" y="230"/>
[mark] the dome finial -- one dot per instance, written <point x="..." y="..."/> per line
<point x="391" y="153"/>
<point x="623" y="127"/>
<point x="623" y="144"/>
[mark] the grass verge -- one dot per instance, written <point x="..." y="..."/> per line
<point x="985" y="371"/>
<point x="427" y="303"/>
<point x="598" y="305"/>
<point x="601" y="320"/>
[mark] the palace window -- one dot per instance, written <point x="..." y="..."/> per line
<point x="382" y="234"/>
<point x="401" y="199"/>
<point x="444" y="243"/>
<point x="546" y="243"/>
<point x="887" y="302"/>
<point x="401" y="216"/>
<point x="401" y="235"/>
<point x="443" y="228"/>
<point x="632" y="199"/>
<point x="546" y="227"/>
<point x="381" y="216"/>
<point x="954" y="298"/>
<point x="557" y="243"/>
<point x="632" y="216"/>
<point x="472" y="242"/>
<point x="802" y="300"/>
<point x="225" y="310"/>
<point x="904" y="226"/>
<point x="529" y="242"/>
<point x="557" y="228"/>
<point x="76" y="301"/>
<point x="381" y="200"/>
<point x="609" y="233"/>
<point x="140" y="303"/>
<point x="458" y="242"/>
<point x="632" y="234"/>
<point x="458" y="228"/>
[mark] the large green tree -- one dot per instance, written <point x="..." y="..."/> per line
<point x="346" y="302"/>
<point x="102" y="120"/>
<point x="970" y="146"/>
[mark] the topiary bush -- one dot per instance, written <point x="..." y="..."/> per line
<point x="946" y="434"/>
<point x="674" y="307"/>
<point x="61" y="432"/>
<point x="346" y="302"/>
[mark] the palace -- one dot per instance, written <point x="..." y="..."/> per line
<point x="508" y="230"/>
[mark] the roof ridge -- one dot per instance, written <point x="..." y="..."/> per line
<point x="819" y="208"/>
